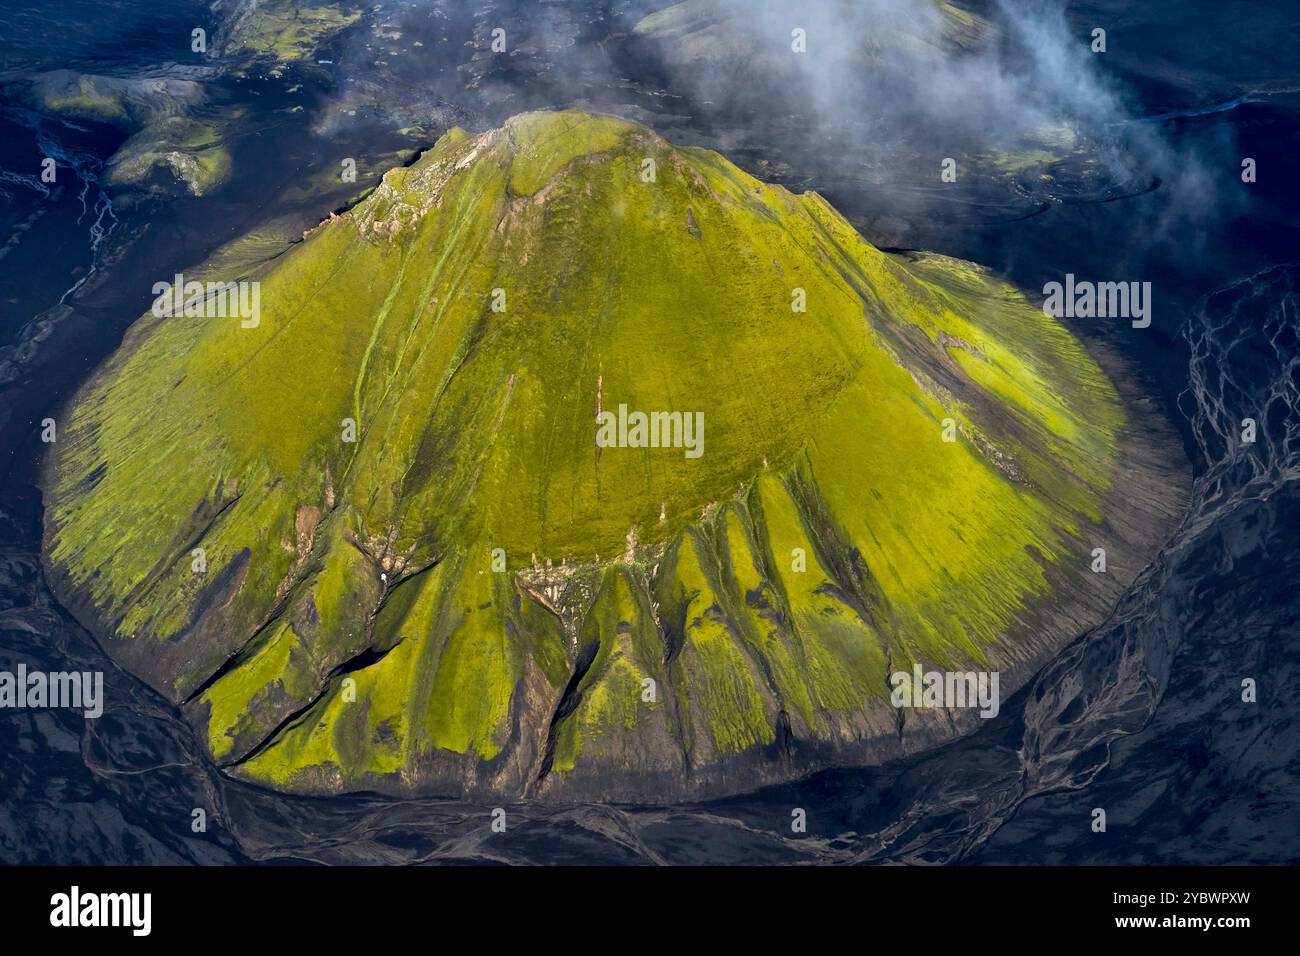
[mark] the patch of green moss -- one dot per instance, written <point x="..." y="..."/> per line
<point x="87" y="102"/>
<point x="188" y="150"/>
<point x="288" y="30"/>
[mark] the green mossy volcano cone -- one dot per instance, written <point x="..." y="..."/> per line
<point x="473" y="597"/>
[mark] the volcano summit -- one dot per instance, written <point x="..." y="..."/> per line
<point x="374" y="543"/>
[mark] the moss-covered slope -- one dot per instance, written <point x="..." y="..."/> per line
<point x="280" y="31"/>
<point x="473" y="597"/>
